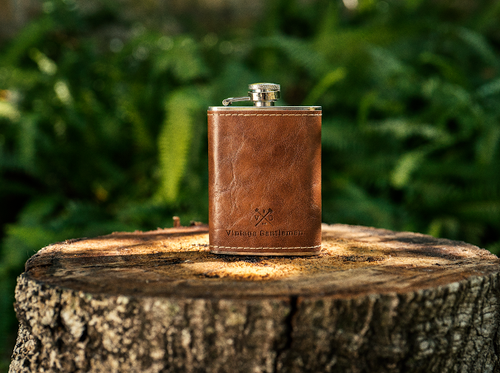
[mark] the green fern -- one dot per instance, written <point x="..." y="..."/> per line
<point x="107" y="131"/>
<point x="181" y="110"/>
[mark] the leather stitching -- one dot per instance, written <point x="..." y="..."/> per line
<point x="266" y="115"/>
<point x="264" y="248"/>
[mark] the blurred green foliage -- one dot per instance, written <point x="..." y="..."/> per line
<point x="102" y="134"/>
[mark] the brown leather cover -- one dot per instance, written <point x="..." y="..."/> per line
<point x="264" y="181"/>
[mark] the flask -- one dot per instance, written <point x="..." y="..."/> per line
<point x="264" y="176"/>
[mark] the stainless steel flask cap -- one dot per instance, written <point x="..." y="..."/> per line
<point x="261" y="94"/>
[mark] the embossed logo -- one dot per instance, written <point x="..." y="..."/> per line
<point x="263" y="217"/>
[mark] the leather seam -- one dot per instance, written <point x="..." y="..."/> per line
<point x="264" y="248"/>
<point x="265" y="115"/>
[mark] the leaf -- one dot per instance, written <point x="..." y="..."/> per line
<point x="487" y="146"/>
<point x="480" y="44"/>
<point x="63" y="93"/>
<point x="299" y="52"/>
<point x="24" y="237"/>
<point x="27" y="135"/>
<point x="388" y="63"/>
<point x="406" y="165"/>
<point x="447" y="69"/>
<point x="324" y="84"/>
<point x="183" y="59"/>
<point x="340" y="135"/>
<point x="45" y="64"/>
<point x="33" y="34"/>
<point x="142" y="137"/>
<point x="489" y="89"/>
<point x="7" y="110"/>
<point x="174" y="141"/>
<point x="402" y="128"/>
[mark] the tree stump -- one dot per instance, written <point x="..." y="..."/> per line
<point x="373" y="301"/>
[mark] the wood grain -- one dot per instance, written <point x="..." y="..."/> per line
<point x="373" y="300"/>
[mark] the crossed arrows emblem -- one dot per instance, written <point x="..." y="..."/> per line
<point x="263" y="217"/>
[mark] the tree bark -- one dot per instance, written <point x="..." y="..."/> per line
<point x="373" y="301"/>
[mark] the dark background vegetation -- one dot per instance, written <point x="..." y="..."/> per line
<point x="103" y="114"/>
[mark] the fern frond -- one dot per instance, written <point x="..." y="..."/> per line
<point x="324" y="84"/>
<point x="299" y="52"/>
<point x="174" y="141"/>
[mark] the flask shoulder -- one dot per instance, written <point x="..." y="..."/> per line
<point x="263" y="108"/>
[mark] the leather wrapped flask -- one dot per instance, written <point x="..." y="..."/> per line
<point x="264" y="176"/>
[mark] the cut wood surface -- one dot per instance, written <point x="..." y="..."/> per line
<point x="372" y="301"/>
